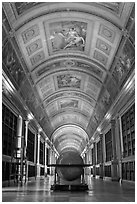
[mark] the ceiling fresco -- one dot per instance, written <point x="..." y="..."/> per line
<point x="68" y="62"/>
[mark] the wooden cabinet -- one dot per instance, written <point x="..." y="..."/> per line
<point x="9" y="130"/>
<point x="42" y="153"/>
<point x="108" y="146"/>
<point x="107" y="170"/>
<point x="128" y="170"/>
<point x="30" y="146"/>
<point x="128" y="132"/>
<point x="99" y="152"/>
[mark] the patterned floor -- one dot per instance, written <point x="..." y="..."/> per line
<point x="99" y="191"/>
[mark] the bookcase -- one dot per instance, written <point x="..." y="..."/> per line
<point x="99" y="153"/>
<point x="30" y="146"/>
<point x="108" y="146"/>
<point x="128" y="170"/>
<point x="42" y="152"/>
<point x="107" y="170"/>
<point x="128" y="132"/>
<point x="9" y="130"/>
<point x="128" y="136"/>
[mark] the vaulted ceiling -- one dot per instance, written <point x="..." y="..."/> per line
<point x="68" y="61"/>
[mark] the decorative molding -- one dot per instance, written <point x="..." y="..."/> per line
<point x="103" y="46"/>
<point x="107" y="33"/>
<point x="33" y="47"/>
<point x="100" y="57"/>
<point x="30" y="33"/>
<point x="37" y="58"/>
<point x="22" y="7"/>
<point x="69" y="81"/>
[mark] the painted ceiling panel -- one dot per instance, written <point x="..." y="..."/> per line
<point x="60" y="34"/>
<point x="45" y="87"/>
<point x="70" y="118"/>
<point x="70" y="94"/>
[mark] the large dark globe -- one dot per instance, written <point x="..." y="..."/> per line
<point x="70" y="173"/>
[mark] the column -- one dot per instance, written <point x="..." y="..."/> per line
<point x="26" y="137"/>
<point x="25" y="167"/>
<point x="114" y="163"/>
<point x="51" y="161"/>
<point x="101" y="156"/>
<point x="53" y="169"/>
<point x="87" y="162"/>
<point x="18" y="147"/>
<point x="19" y="134"/>
<point x="35" y="155"/>
<point x="38" y="156"/>
<point x="45" y="158"/>
<point x="94" y="159"/>
<point x="90" y="159"/>
<point x="85" y="169"/>
<point x="120" y="146"/>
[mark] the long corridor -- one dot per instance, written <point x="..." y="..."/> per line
<point x="99" y="191"/>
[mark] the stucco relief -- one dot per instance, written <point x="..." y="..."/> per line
<point x="70" y="94"/>
<point x="105" y="100"/>
<point x="12" y="63"/>
<point x="103" y="46"/>
<point x="107" y="33"/>
<point x="87" y="109"/>
<point x="33" y="47"/>
<point x="5" y="21"/>
<point x="100" y="57"/>
<point x="30" y="33"/>
<point x="72" y="63"/>
<point x="22" y="7"/>
<point x="52" y="108"/>
<point x="132" y="33"/>
<point x="69" y="103"/>
<point x="68" y="35"/>
<point x="68" y="81"/>
<point x="125" y="62"/>
<point x="98" y="72"/>
<point x="115" y="7"/>
<point x="37" y="58"/>
<point x="111" y="88"/>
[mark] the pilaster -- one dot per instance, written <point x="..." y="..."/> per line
<point x="101" y="156"/>
<point x="114" y="162"/>
<point x="94" y="159"/>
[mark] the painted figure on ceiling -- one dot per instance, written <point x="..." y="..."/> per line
<point x="68" y="35"/>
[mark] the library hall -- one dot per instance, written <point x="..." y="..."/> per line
<point x="68" y="101"/>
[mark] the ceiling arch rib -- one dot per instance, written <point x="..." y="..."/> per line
<point x="112" y="11"/>
<point x="69" y="58"/>
<point x="72" y="129"/>
<point x="70" y="136"/>
<point x="63" y="146"/>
